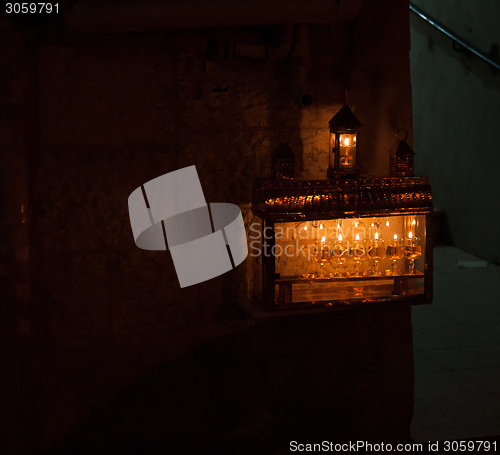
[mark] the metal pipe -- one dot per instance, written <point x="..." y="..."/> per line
<point x="93" y="16"/>
<point x="443" y="29"/>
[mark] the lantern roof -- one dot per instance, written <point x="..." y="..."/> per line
<point x="345" y="119"/>
<point x="403" y="149"/>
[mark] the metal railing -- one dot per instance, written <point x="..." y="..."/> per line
<point x="462" y="42"/>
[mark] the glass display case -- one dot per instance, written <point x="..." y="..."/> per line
<point x="334" y="243"/>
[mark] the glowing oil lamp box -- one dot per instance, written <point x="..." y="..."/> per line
<point x="342" y="241"/>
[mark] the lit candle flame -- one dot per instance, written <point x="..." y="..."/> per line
<point x="321" y="225"/>
<point x="387" y="223"/>
<point x="376" y="235"/>
<point x="340" y="237"/>
<point x="357" y="237"/>
<point x="356" y="224"/>
<point x="346" y="142"/>
<point x="395" y="236"/>
<point x="410" y="235"/>
<point x="323" y="240"/>
<point x="413" y="223"/>
<point x="305" y="227"/>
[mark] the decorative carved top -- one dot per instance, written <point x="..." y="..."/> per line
<point x="288" y="200"/>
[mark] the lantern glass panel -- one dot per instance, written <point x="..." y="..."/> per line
<point x="347" y="150"/>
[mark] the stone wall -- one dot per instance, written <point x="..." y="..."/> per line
<point x="114" y="111"/>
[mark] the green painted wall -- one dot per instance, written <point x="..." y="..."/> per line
<point x="456" y="117"/>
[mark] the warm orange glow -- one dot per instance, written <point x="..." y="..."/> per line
<point x="359" y="258"/>
<point x="346" y="142"/>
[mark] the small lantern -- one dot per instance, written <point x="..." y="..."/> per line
<point x="401" y="159"/>
<point x="342" y="159"/>
<point x="283" y="163"/>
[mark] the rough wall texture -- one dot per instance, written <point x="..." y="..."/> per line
<point x="115" y="111"/>
<point x="456" y="101"/>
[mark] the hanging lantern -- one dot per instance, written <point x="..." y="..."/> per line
<point x="401" y="159"/>
<point x="342" y="158"/>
